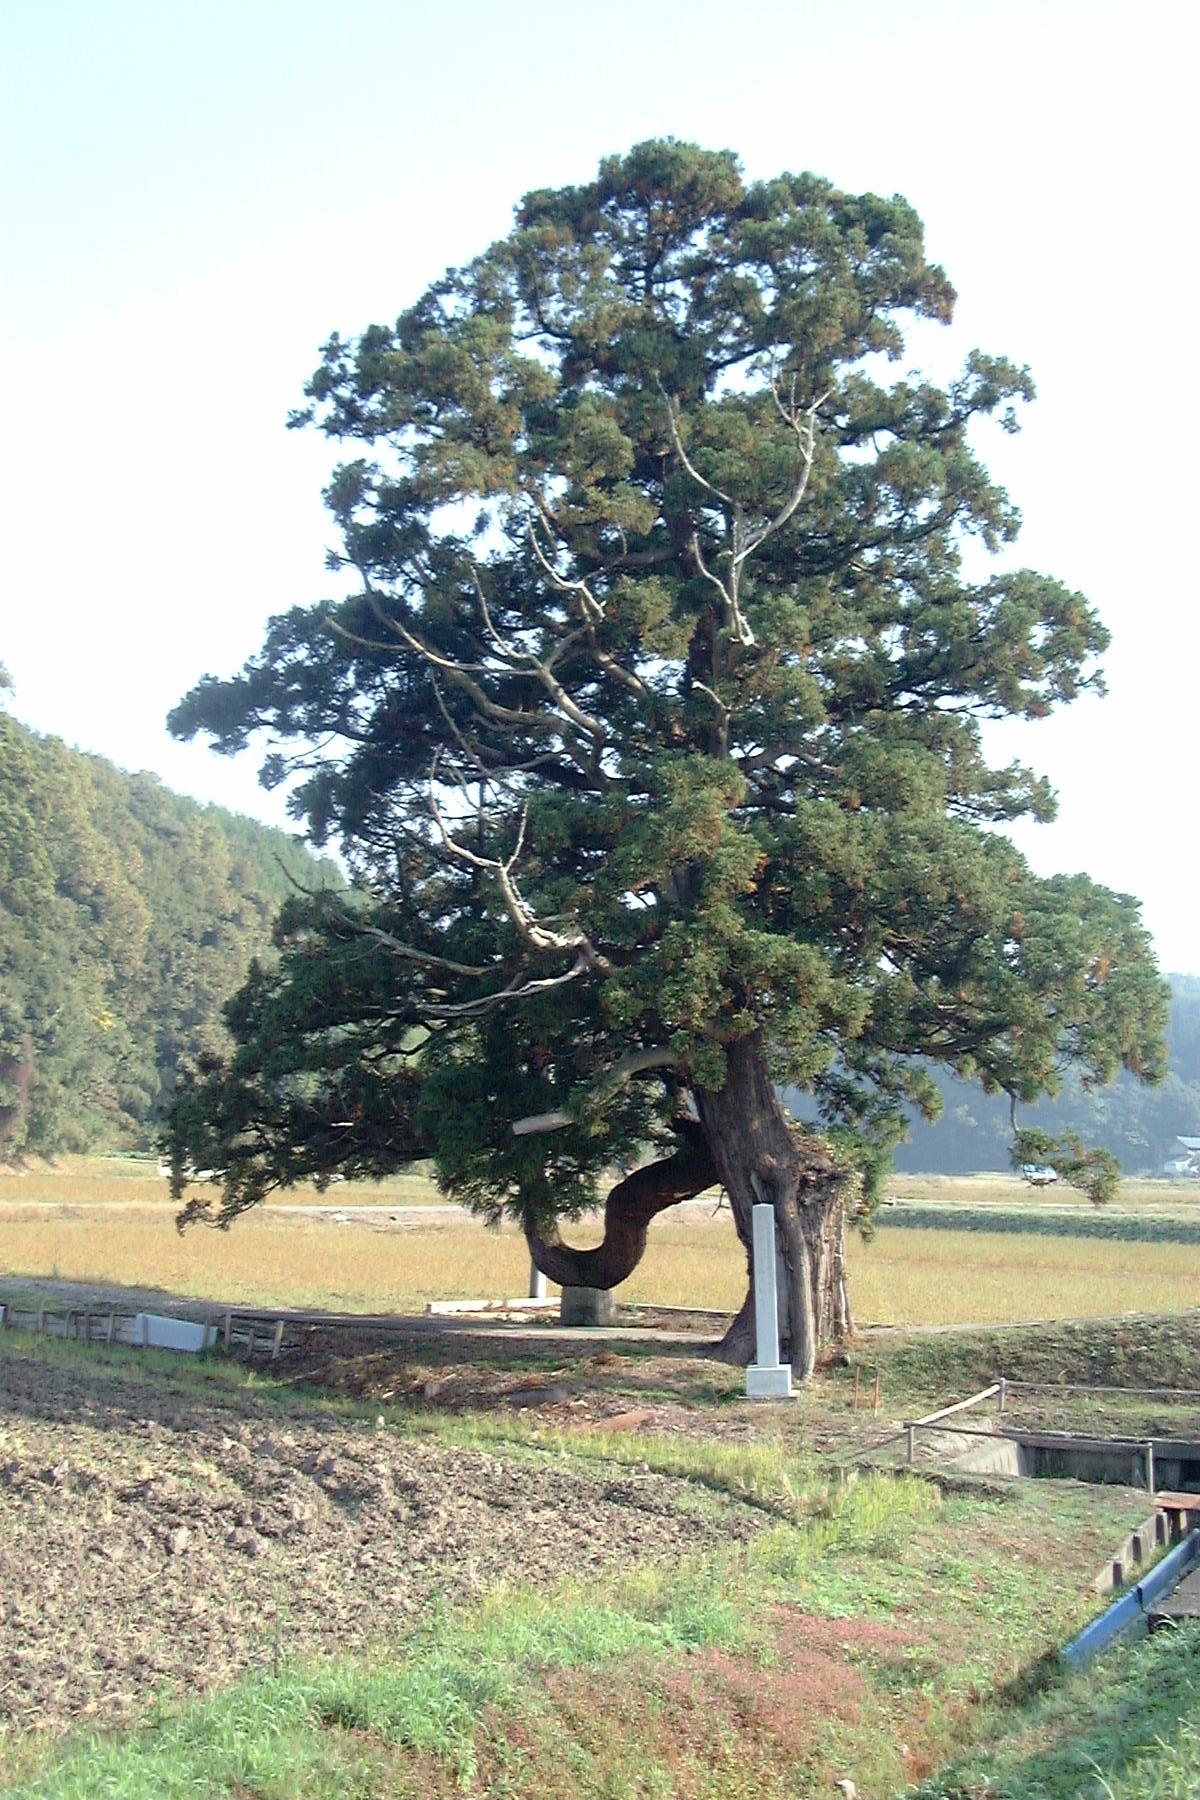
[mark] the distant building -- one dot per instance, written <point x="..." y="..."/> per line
<point x="1185" y="1158"/>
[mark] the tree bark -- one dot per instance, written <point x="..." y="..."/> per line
<point x="746" y="1143"/>
<point x="760" y="1157"/>
<point x="630" y="1207"/>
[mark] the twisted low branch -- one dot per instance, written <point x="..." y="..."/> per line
<point x="630" y="1207"/>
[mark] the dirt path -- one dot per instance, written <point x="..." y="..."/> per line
<point x="693" y="1333"/>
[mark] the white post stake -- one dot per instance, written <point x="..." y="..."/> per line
<point x="537" y="1283"/>
<point x="767" y="1378"/>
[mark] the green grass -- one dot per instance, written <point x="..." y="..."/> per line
<point x="594" y="1680"/>
<point x="1126" y="1728"/>
<point x="473" y="1702"/>
<point x="645" y="1684"/>
<point x="769" y="1473"/>
<point x="1148" y="1351"/>
<point x="868" y="1615"/>
<point x="1007" y="1190"/>
<point x="161" y="1369"/>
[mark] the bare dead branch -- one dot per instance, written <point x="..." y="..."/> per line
<point x="681" y="453"/>
<point x="702" y="687"/>
<point x="744" y="541"/>
<point x="588" y="601"/>
<point x="514" y="990"/>
<point x="409" y="953"/>
<point x="804" y="423"/>
<point x="592" y="611"/>
<point x="535" y="932"/>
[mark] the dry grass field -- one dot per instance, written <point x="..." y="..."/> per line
<point x="132" y="1181"/>
<point x="1135" y="1195"/>
<point x="102" y="1229"/>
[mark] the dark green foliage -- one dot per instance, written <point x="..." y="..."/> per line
<point x="128" y="917"/>
<point x="653" y="722"/>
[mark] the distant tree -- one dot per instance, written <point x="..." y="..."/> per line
<point x="651" y="734"/>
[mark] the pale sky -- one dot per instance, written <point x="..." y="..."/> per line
<point x="194" y="196"/>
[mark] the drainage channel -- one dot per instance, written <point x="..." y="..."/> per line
<point x="1154" y="1463"/>
<point x="1168" y="1468"/>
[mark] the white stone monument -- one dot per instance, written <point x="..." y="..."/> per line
<point x="767" y="1378"/>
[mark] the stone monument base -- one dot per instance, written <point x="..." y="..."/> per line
<point x="586" y="1306"/>
<point x="768" y="1384"/>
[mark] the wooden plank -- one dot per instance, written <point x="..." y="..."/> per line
<point x="623" y="1421"/>
<point x="987" y="1393"/>
<point x="1088" y="1387"/>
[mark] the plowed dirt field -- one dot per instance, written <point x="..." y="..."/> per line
<point x="154" y="1539"/>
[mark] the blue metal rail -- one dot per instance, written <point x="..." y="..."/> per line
<point x="1126" y="1612"/>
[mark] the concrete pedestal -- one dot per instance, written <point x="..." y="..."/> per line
<point x="586" y="1306"/>
<point x="769" y="1384"/>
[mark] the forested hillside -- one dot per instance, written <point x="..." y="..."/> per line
<point x="1138" y="1124"/>
<point x="128" y="916"/>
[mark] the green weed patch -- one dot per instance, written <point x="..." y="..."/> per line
<point x="1126" y="1728"/>
<point x="1151" y="1350"/>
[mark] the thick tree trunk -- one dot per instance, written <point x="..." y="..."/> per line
<point x="627" y="1214"/>
<point x="760" y="1157"/>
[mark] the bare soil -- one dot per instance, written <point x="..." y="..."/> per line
<point x="664" y="1388"/>
<point x="155" y="1538"/>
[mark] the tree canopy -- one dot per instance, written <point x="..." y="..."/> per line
<point x="651" y="729"/>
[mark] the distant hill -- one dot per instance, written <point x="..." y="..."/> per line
<point x="128" y="916"/>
